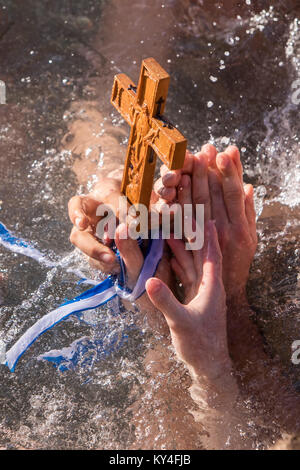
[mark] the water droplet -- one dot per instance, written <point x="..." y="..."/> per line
<point x="225" y="140"/>
<point x="210" y="104"/>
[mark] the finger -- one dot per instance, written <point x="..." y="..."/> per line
<point x="77" y="214"/>
<point x="210" y="152"/>
<point x="232" y="189"/>
<point x="200" y="184"/>
<point x="185" y="191"/>
<point x="188" y="163"/>
<point x="166" y="193"/>
<point x="250" y="210"/>
<point x="185" y="201"/>
<point x="163" y="299"/>
<point x="234" y="154"/>
<point x="218" y="209"/>
<point x="186" y="169"/>
<point x="185" y="260"/>
<point x="212" y="266"/>
<point x="131" y="254"/>
<point x="171" y="178"/>
<point x="161" y="205"/>
<point x="87" y="243"/>
<point x="164" y="169"/>
<point x="198" y="256"/>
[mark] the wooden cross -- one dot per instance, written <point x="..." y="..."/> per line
<point x="151" y="134"/>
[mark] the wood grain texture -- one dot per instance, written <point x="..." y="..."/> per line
<point x="151" y="133"/>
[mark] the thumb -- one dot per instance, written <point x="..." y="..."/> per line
<point x="164" y="300"/>
<point x="77" y="213"/>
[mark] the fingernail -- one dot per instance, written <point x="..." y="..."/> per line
<point x="167" y="178"/>
<point x="205" y="147"/>
<point x="201" y="158"/>
<point x="106" y="258"/>
<point x="156" y="286"/>
<point x="78" y="222"/>
<point x="161" y="191"/>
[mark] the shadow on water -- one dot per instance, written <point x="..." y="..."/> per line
<point x="233" y="72"/>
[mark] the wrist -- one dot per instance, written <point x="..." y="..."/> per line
<point x="219" y="391"/>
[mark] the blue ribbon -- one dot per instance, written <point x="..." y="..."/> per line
<point x="90" y="299"/>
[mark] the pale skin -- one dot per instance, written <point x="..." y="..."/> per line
<point x="215" y="180"/>
<point x="208" y="178"/>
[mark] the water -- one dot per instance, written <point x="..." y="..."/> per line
<point x="233" y="72"/>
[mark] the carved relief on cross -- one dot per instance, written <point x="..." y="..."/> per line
<point x="151" y="134"/>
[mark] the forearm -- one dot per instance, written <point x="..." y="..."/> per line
<point x="260" y="375"/>
<point x="222" y="411"/>
<point x="217" y="392"/>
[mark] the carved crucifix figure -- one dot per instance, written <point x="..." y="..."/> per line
<point x="151" y="134"/>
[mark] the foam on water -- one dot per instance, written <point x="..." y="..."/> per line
<point x="123" y="399"/>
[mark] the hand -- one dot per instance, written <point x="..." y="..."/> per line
<point x="217" y="182"/>
<point x="82" y="212"/>
<point x="198" y="329"/>
<point x="232" y="206"/>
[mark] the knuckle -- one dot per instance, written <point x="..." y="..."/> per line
<point x="223" y="237"/>
<point x="202" y="199"/>
<point x="234" y="194"/>
<point x="241" y="234"/>
<point x="95" y="253"/>
<point x="96" y="264"/>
